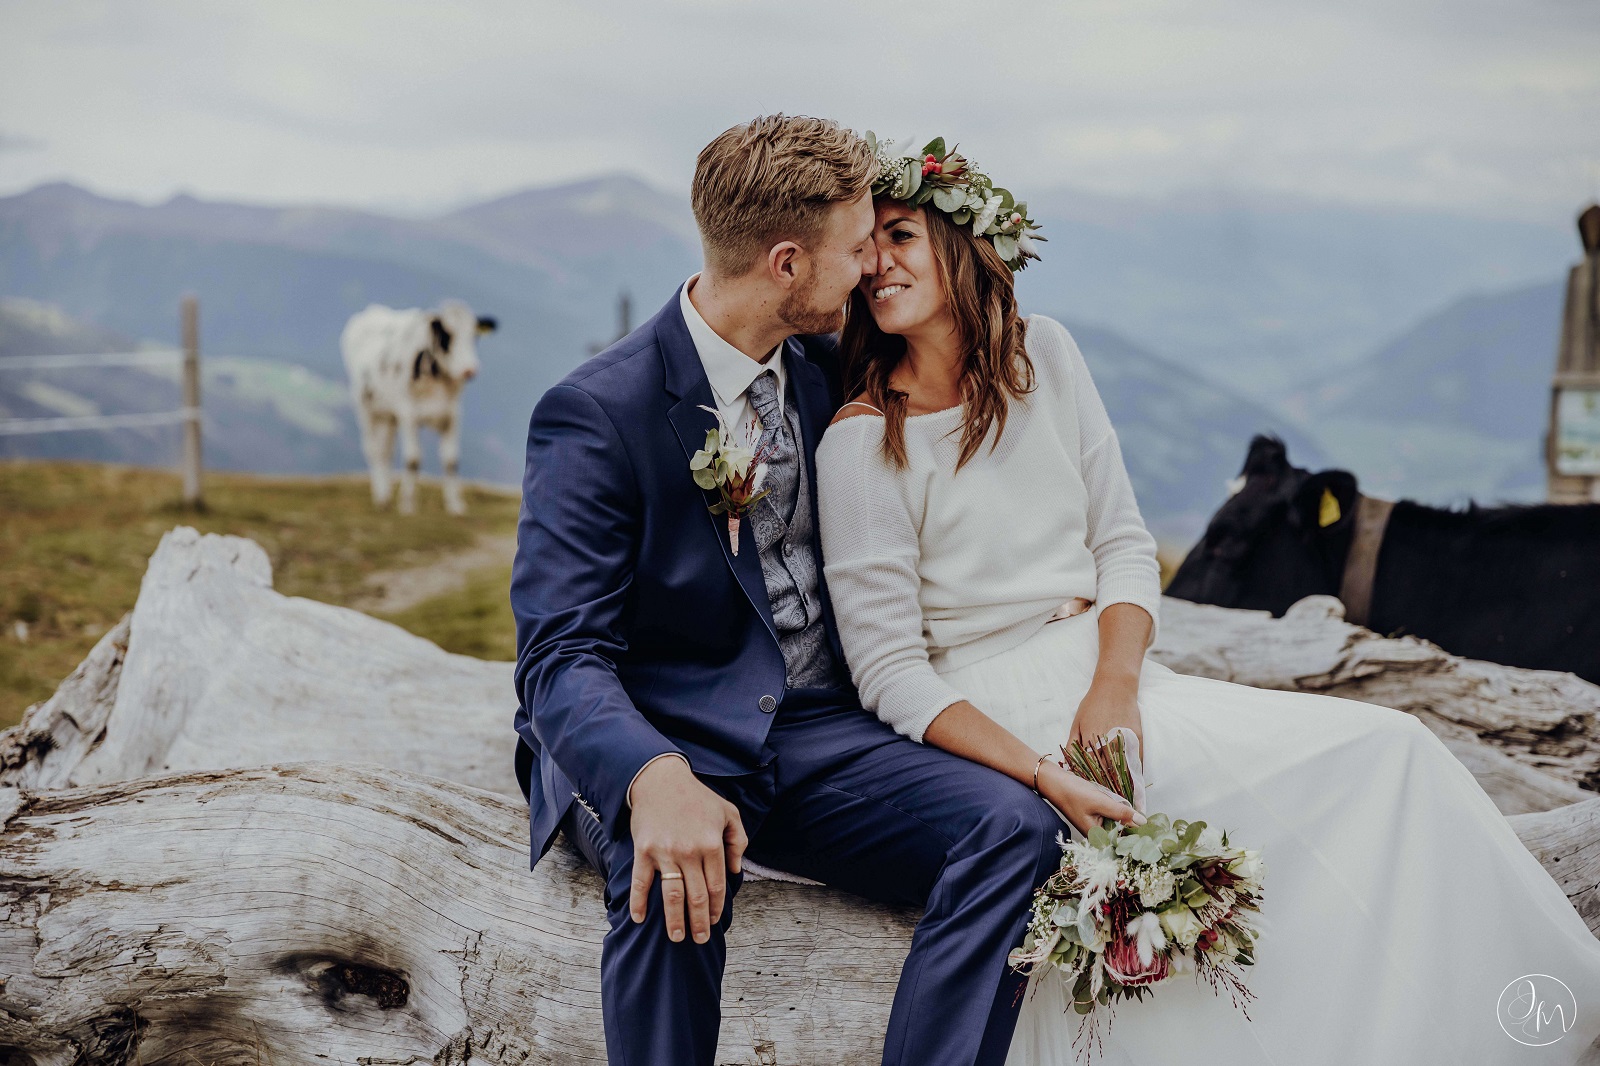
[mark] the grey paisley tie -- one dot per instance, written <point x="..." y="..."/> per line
<point x="783" y="464"/>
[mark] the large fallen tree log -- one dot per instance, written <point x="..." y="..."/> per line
<point x="344" y="911"/>
<point x="215" y="669"/>
<point x="326" y="912"/>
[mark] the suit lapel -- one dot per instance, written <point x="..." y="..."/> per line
<point x="686" y="381"/>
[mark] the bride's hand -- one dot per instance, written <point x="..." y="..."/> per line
<point x="1082" y="801"/>
<point x="1104" y="707"/>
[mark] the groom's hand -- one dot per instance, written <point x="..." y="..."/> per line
<point x="681" y="826"/>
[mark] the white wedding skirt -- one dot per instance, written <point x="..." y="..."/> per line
<point x="1399" y="903"/>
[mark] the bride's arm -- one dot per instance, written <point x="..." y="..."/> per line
<point x="1126" y="568"/>
<point x="1127" y="572"/>
<point x="962" y="729"/>
<point x="870" y="554"/>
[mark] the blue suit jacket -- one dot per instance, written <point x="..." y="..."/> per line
<point x="638" y="630"/>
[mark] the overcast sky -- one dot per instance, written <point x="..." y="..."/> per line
<point x="1484" y="106"/>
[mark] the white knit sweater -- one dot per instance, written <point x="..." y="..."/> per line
<point x="931" y="570"/>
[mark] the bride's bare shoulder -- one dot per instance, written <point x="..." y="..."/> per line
<point x="857" y="408"/>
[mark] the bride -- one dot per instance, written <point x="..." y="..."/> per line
<point x="996" y="592"/>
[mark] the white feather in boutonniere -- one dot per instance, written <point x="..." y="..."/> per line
<point x="736" y="469"/>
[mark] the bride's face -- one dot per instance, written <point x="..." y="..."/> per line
<point x="905" y="294"/>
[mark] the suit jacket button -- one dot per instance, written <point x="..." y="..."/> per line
<point x="768" y="704"/>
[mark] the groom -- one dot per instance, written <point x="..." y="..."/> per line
<point x="682" y="703"/>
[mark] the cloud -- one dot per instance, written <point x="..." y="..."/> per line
<point x="1468" y="104"/>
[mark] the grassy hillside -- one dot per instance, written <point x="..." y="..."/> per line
<point x="75" y="539"/>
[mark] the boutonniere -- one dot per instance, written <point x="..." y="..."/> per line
<point x="735" y="468"/>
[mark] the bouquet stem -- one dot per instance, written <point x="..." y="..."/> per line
<point x="733" y="533"/>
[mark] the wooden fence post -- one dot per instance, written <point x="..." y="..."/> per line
<point x="191" y="402"/>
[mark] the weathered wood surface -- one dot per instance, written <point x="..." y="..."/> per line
<point x="1566" y="841"/>
<point x="319" y="912"/>
<point x="215" y="669"/>
<point x="327" y="912"/>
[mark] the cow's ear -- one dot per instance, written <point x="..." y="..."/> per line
<point x="1324" y="502"/>
<point x="486" y="324"/>
<point x="441" y="336"/>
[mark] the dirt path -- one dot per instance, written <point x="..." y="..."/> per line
<point x="389" y="591"/>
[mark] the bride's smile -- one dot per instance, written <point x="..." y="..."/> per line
<point x="906" y="295"/>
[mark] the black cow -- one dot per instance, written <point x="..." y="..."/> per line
<point x="1516" y="584"/>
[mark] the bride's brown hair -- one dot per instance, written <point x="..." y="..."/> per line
<point x="982" y="296"/>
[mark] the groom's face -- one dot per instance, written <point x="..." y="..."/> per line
<point x="834" y="264"/>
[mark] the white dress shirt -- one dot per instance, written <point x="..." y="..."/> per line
<point x="730" y="372"/>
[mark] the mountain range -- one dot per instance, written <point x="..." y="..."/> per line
<point x="1455" y="408"/>
<point x="1203" y="320"/>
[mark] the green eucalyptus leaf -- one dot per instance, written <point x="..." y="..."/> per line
<point x="1006" y="245"/>
<point x="1007" y="204"/>
<point x="962" y="217"/>
<point x="1138" y="847"/>
<point x="934" y="148"/>
<point x="914" y="180"/>
<point x="701" y="460"/>
<point x="948" y="198"/>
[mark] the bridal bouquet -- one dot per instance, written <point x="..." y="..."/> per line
<point x="1132" y="906"/>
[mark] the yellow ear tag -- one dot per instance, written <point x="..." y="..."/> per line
<point x="1330" y="509"/>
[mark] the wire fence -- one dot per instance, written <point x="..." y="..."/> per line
<point x="188" y="416"/>
<point x="10" y="427"/>
<point x="143" y="357"/>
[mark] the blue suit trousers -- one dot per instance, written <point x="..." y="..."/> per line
<point x="843" y="799"/>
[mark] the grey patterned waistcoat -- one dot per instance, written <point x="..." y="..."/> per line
<point x="784" y="535"/>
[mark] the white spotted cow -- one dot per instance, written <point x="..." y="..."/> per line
<point x="406" y="370"/>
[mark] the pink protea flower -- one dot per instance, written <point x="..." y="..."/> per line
<point x="1123" y="963"/>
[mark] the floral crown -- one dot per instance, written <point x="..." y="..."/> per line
<point x="957" y="187"/>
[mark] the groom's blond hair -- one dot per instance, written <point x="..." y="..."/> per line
<point x="773" y="179"/>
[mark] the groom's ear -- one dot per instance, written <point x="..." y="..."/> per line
<point x="782" y="265"/>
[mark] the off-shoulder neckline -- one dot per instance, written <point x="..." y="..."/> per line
<point x="909" y="418"/>
<point x="943" y="411"/>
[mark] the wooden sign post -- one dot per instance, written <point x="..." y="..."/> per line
<point x="1572" y="447"/>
